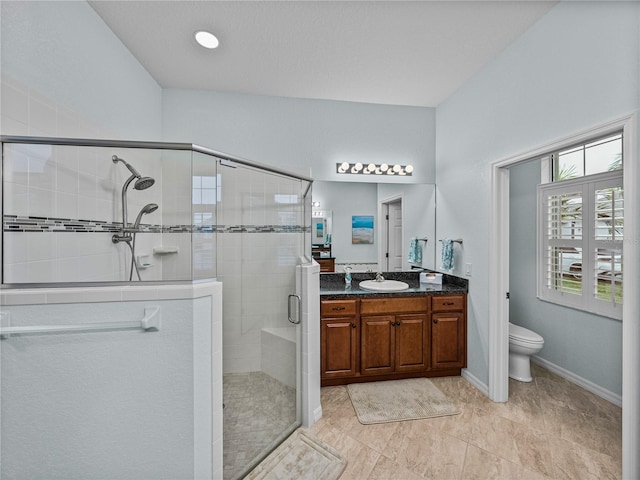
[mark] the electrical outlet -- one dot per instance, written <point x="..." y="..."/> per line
<point x="467" y="269"/>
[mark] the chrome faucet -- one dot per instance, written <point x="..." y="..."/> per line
<point x="379" y="277"/>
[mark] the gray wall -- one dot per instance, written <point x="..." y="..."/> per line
<point x="575" y="69"/>
<point x="587" y="345"/>
<point x="304" y="135"/>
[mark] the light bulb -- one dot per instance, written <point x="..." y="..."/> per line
<point x="396" y="168"/>
<point x="371" y="167"/>
<point x="384" y="167"/>
<point x="409" y="168"/>
<point x="358" y="166"/>
<point x="345" y="166"/>
<point x="206" y="39"/>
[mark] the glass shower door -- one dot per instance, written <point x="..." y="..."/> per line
<point x="260" y="236"/>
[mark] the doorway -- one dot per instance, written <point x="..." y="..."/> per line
<point x="499" y="281"/>
<point x="392" y="235"/>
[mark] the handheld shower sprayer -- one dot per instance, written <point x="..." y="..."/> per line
<point x="148" y="208"/>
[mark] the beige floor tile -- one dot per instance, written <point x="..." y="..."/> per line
<point x="421" y="446"/>
<point x="482" y="465"/>
<point x="360" y="458"/>
<point x="574" y="462"/>
<point x="387" y="469"/>
<point x="504" y="438"/>
<point x="374" y="436"/>
<point x="549" y="429"/>
<point x="592" y="432"/>
<point x="523" y="407"/>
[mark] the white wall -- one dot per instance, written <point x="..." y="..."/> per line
<point x="575" y="69"/>
<point x="151" y="400"/>
<point x="587" y="345"/>
<point x="304" y="135"/>
<point x="65" y="73"/>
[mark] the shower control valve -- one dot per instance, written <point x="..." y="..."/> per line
<point x="121" y="238"/>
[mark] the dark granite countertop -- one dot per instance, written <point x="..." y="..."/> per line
<point x="332" y="285"/>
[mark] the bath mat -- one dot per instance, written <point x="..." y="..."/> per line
<point x="399" y="400"/>
<point x="301" y="457"/>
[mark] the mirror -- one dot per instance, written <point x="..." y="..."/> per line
<point x="321" y="227"/>
<point x="411" y="211"/>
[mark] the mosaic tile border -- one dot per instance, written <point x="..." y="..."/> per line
<point x="16" y="223"/>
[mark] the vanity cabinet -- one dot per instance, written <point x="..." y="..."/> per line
<point x="372" y="339"/>
<point x="339" y="338"/>
<point x="448" y="332"/>
<point x="392" y="339"/>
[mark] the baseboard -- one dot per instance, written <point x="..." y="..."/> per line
<point x="578" y="380"/>
<point x="473" y="380"/>
<point x="317" y="414"/>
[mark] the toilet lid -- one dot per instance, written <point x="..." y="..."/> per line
<point x="523" y="334"/>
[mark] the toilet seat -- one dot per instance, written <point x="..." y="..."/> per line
<point x="524" y="336"/>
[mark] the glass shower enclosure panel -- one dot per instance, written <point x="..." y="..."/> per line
<point x="261" y="236"/>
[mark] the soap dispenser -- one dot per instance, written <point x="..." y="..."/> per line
<point x="347" y="276"/>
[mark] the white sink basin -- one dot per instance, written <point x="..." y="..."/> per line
<point x="384" y="286"/>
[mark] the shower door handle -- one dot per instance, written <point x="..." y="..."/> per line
<point x="298" y="305"/>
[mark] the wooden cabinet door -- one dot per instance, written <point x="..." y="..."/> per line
<point x="412" y="343"/>
<point x="377" y="342"/>
<point x="339" y="343"/>
<point x="447" y="340"/>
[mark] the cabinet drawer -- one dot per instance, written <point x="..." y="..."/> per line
<point x="447" y="303"/>
<point x="332" y="308"/>
<point x="393" y="305"/>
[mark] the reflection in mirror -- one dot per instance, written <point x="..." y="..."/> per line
<point x="321" y="227"/>
<point x="411" y="211"/>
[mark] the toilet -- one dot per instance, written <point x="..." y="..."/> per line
<point x="522" y="344"/>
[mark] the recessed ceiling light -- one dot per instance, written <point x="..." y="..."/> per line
<point x="206" y="39"/>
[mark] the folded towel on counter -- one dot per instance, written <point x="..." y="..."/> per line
<point x="415" y="252"/>
<point x="447" y="254"/>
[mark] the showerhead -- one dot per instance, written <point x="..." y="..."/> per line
<point x="135" y="172"/>
<point x="143" y="183"/>
<point x="148" y="208"/>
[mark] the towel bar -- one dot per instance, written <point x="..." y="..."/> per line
<point x="150" y="323"/>
<point x="457" y="240"/>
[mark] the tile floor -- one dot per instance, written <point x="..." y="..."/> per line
<point x="258" y="409"/>
<point x="549" y="429"/>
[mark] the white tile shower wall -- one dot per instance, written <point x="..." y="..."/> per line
<point x="257" y="269"/>
<point x="71" y="183"/>
<point x="83" y="183"/>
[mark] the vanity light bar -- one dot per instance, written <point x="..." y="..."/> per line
<point x="374" y="169"/>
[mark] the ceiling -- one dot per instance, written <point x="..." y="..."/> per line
<point x="386" y="52"/>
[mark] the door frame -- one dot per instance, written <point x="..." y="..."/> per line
<point x="383" y="210"/>
<point x="499" y="280"/>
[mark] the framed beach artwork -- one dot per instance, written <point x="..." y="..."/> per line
<point x="361" y="229"/>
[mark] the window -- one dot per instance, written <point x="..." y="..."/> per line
<point x="581" y="228"/>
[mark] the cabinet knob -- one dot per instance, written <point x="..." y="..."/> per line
<point x="448" y="303"/>
<point x="353" y="325"/>
<point x="435" y="320"/>
<point x="335" y="309"/>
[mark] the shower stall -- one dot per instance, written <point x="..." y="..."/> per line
<point x="114" y="363"/>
